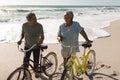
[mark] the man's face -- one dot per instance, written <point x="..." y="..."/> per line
<point x="33" y="20"/>
<point x="67" y="17"/>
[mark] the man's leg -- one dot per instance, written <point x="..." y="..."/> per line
<point x="65" y="56"/>
<point x="36" y="55"/>
<point x="27" y="57"/>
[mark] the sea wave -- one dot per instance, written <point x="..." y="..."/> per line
<point x="17" y="13"/>
<point x="93" y="19"/>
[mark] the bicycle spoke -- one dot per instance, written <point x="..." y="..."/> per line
<point x="20" y="74"/>
<point x="50" y="63"/>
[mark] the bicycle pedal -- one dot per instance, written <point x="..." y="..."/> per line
<point x="37" y="75"/>
<point x="74" y="77"/>
<point x="38" y="70"/>
<point x="43" y="68"/>
<point x="67" y="68"/>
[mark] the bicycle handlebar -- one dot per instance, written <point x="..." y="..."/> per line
<point x="42" y="47"/>
<point x="22" y="50"/>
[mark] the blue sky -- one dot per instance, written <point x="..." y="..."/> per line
<point x="60" y="2"/>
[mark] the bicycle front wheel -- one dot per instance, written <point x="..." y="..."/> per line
<point x="50" y="62"/>
<point x="20" y="74"/>
<point x="68" y="74"/>
<point x="90" y="63"/>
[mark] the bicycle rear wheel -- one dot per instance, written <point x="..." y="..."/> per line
<point x="19" y="74"/>
<point x="50" y="62"/>
<point x="90" y="63"/>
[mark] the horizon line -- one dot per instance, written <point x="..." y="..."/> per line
<point x="59" y="5"/>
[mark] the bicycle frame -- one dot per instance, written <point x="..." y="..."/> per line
<point x="74" y="63"/>
<point x="30" y="60"/>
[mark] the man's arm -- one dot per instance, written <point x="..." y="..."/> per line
<point x="85" y="36"/>
<point x="22" y="36"/>
<point x="59" y="38"/>
<point x="41" y="39"/>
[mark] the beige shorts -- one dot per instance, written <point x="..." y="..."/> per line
<point x="66" y="54"/>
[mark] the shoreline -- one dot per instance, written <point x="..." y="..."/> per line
<point x="107" y="55"/>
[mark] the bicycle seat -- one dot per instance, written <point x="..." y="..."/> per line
<point x="86" y="45"/>
<point x="43" y="47"/>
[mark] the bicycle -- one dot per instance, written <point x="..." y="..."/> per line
<point x="74" y="68"/>
<point x="48" y="65"/>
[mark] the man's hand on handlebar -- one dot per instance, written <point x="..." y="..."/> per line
<point x="59" y="38"/>
<point x="19" y="42"/>
<point x="88" y="42"/>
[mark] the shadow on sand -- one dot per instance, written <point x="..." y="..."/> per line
<point x="101" y="76"/>
<point x="94" y="76"/>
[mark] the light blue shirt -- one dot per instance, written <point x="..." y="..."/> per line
<point x="70" y="36"/>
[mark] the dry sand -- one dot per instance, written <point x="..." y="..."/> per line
<point x="107" y="55"/>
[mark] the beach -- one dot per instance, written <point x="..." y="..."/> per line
<point x="107" y="56"/>
<point x="107" y="53"/>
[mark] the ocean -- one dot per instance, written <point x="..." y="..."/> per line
<point x="93" y="18"/>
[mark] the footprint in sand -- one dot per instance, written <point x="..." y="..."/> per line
<point x="100" y="65"/>
<point x="115" y="73"/>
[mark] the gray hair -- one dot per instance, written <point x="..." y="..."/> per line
<point x="70" y="13"/>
